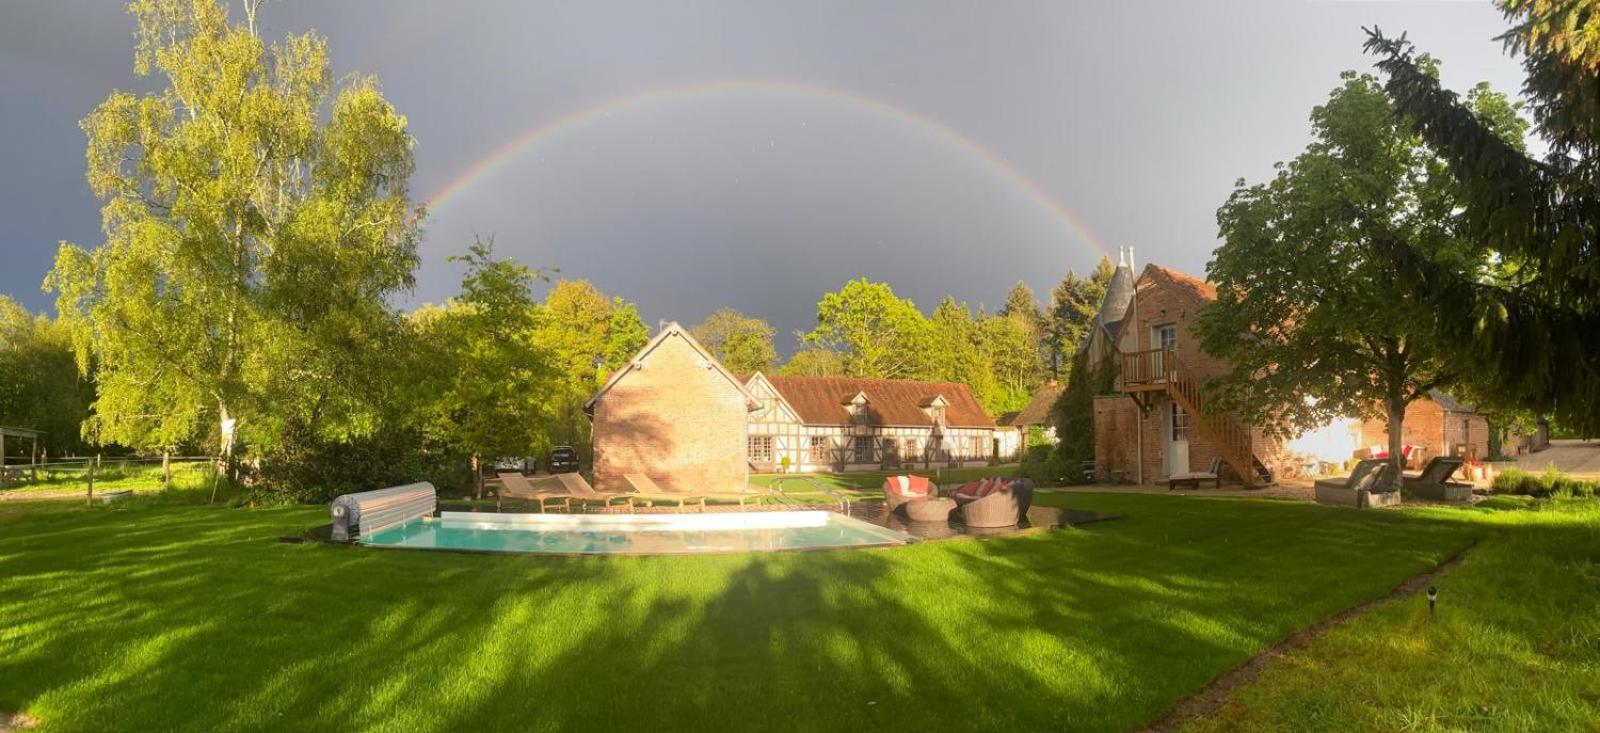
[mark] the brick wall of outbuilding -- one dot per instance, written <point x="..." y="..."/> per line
<point x="1115" y="420"/>
<point x="674" y="419"/>
<point x="1430" y="425"/>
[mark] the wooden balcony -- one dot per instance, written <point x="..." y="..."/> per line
<point x="1148" y="371"/>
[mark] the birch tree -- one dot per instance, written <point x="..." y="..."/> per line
<point x="256" y="219"/>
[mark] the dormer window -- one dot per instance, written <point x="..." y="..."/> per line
<point x="934" y="407"/>
<point x="860" y="414"/>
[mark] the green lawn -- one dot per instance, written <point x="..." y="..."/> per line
<point x="151" y="617"/>
<point x="1513" y="646"/>
<point x="116" y="475"/>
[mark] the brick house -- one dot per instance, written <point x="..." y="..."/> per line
<point x="852" y="424"/>
<point x="1153" y="423"/>
<point x="675" y="414"/>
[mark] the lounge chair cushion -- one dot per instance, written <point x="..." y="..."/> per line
<point x="969" y="488"/>
<point x="916" y="486"/>
<point x="995" y="486"/>
<point x="911" y="487"/>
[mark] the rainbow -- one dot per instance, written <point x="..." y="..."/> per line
<point x="550" y="130"/>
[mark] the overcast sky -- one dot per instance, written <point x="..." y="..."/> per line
<point x="756" y="155"/>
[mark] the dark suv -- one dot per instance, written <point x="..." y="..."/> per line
<point x="563" y="459"/>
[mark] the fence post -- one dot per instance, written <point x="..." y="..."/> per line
<point x="89" y="499"/>
<point x="216" y="476"/>
<point x="166" y="470"/>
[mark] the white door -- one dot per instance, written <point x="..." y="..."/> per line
<point x="1176" y="439"/>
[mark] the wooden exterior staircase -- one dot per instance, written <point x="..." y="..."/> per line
<point x="1158" y="371"/>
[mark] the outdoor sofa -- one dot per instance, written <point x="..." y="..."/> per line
<point x="994" y="502"/>
<point x="1371" y="484"/>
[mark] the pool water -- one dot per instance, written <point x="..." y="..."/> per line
<point x="635" y="534"/>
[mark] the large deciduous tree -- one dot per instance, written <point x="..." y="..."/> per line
<point x="742" y="343"/>
<point x="875" y="332"/>
<point x="1010" y="346"/>
<point x="1313" y="324"/>
<point x="39" y="386"/>
<point x="586" y="335"/>
<point x="256" y="222"/>
<point x="813" y="363"/>
<point x="486" y="388"/>
<point x="958" y="354"/>
<point x="1532" y="336"/>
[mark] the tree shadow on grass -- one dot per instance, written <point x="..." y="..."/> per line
<point x="195" y="620"/>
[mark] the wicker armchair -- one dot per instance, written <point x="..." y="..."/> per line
<point x="1000" y="507"/>
<point x="898" y="490"/>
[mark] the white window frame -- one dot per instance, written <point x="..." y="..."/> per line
<point x="757" y="445"/>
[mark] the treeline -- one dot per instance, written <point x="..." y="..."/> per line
<point x="865" y="330"/>
<point x="258" y="226"/>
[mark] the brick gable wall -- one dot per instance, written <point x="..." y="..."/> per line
<point x="674" y="420"/>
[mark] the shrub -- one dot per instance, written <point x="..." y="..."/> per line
<point x="1543" y="485"/>
<point x="1045" y="465"/>
<point x="310" y="469"/>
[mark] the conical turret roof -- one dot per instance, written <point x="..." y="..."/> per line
<point x="1117" y="300"/>
<point x="1119" y="294"/>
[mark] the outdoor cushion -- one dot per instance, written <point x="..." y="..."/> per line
<point x="969" y="488"/>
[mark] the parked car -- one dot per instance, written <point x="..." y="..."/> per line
<point x="563" y="459"/>
<point x="522" y="465"/>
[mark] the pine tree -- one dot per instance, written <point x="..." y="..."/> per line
<point x="1529" y="332"/>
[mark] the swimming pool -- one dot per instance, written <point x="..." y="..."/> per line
<point x="635" y="534"/>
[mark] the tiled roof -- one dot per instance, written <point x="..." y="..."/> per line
<point x="1195" y="286"/>
<point x="1038" y="410"/>
<point x="821" y="400"/>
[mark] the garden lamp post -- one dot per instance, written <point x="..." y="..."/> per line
<point x="1433" y="596"/>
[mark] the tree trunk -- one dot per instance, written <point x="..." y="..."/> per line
<point x="88" y="500"/>
<point x="1397" y="419"/>
<point x="477" y="478"/>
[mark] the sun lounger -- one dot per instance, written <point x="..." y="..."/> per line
<point x="1369" y="485"/>
<point x="1194" y="479"/>
<point x="1434" y="481"/>
<point x="647" y="489"/>
<point x="546" y="494"/>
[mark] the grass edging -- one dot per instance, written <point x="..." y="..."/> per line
<point x="1216" y="693"/>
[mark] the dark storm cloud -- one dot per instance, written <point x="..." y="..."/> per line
<point x="1135" y="116"/>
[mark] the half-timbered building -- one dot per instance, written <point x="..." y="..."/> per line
<point x="807" y="424"/>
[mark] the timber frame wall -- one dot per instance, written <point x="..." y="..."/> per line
<point x="776" y="432"/>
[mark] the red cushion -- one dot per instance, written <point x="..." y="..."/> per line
<point x="969" y="488"/>
<point x="991" y="486"/>
<point x="911" y="487"/>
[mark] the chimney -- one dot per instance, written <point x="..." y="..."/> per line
<point x="1130" y="257"/>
